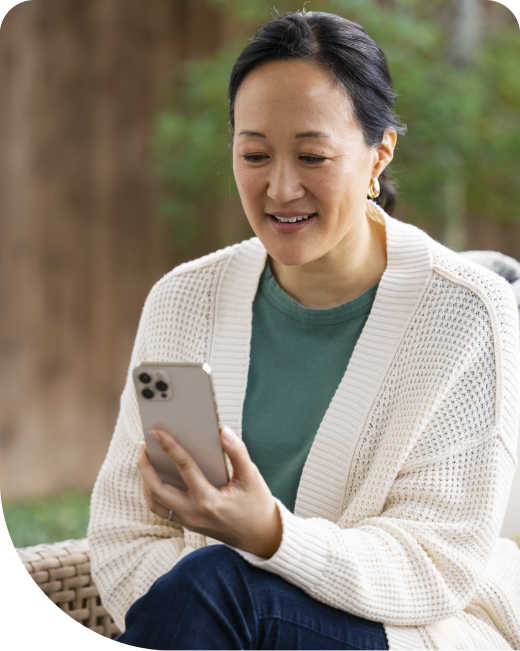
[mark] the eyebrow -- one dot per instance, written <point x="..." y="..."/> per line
<point x="305" y="134"/>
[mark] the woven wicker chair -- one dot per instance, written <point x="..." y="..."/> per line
<point x="62" y="570"/>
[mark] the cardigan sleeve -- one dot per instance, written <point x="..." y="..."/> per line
<point x="421" y="559"/>
<point x="130" y="546"/>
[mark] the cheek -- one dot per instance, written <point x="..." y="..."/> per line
<point x="248" y="180"/>
<point x="328" y="186"/>
<point x="336" y="185"/>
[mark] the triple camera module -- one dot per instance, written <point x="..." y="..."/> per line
<point x="160" y="385"/>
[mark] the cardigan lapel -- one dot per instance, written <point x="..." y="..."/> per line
<point x="409" y="266"/>
<point x="230" y="350"/>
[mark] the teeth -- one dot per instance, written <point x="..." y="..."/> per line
<point x="285" y="220"/>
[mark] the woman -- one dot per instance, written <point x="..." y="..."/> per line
<point x="368" y="378"/>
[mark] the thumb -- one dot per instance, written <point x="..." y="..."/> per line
<point x="237" y="453"/>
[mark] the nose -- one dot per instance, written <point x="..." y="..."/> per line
<point x="284" y="184"/>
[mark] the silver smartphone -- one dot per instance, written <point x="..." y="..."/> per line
<point x="179" y="399"/>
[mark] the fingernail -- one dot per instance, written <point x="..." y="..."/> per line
<point x="154" y="435"/>
<point x="228" y="434"/>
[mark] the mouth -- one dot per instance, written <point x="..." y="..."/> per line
<point x="291" y="224"/>
<point x="292" y="220"/>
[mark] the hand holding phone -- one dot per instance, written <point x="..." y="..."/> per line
<point x="179" y="399"/>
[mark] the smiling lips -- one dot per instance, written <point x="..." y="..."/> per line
<point x="291" y="221"/>
<point x="285" y="220"/>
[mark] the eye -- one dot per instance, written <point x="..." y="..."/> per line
<point x="313" y="160"/>
<point x="255" y="158"/>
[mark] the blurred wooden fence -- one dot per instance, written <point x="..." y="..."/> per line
<point x="80" y="243"/>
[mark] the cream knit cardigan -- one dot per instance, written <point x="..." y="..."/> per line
<point x="403" y="493"/>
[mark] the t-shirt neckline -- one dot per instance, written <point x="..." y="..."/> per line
<point x="280" y="300"/>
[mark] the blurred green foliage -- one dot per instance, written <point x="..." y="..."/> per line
<point x="463" y="119"/>
<point x="47" y="519"/>
<point x="191" y="147"/>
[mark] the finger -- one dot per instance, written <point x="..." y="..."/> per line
<point x="165" y="495"/>
<point x="156" y="489"/>
<point x="236" y="450"/>
<point x="188" y="469"/>
<point x="154" y="506"/>
<point x="157" y="508"/>
<point x="143" y="461"/>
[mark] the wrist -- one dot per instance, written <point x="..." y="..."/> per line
<point x="267" y="544"/>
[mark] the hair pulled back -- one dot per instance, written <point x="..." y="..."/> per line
<point x="354" y="59"/>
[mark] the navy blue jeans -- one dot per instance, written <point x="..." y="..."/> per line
<point x="214" y="599"/>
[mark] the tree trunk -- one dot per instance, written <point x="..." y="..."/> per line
<point x="466" y="39"/>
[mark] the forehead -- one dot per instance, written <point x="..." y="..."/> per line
<point x="294" y="91"/>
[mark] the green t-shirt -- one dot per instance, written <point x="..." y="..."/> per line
<point x="298" y="358"/>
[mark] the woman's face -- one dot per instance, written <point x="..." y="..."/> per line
<point x="299" y="153"/>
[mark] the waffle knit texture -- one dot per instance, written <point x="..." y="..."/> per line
<point x="402" y="497"/>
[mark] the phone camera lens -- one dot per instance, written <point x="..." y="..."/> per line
<point x="145" y="378"/>
<point x="147" y="393"/>
<point x="164" y="395"/>
<point x="161" y="386"/>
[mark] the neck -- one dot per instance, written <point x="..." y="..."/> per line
<point x="355" y="264"/>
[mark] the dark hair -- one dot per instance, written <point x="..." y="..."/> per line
<point x="352" y="57"/>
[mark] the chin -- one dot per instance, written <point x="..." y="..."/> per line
<point x="290" y="250"/>
<point x="291" y="254"/>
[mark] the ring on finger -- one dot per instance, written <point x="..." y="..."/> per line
<point x="170" y="516"/>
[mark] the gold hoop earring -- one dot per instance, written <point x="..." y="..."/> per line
<point x="374" y="190"/>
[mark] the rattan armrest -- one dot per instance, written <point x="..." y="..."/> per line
<point x="62" y="570"/>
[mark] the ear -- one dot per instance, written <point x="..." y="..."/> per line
<point x="385" y="152"/>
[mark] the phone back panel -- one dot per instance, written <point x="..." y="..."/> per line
<point x="187" y="411"/>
